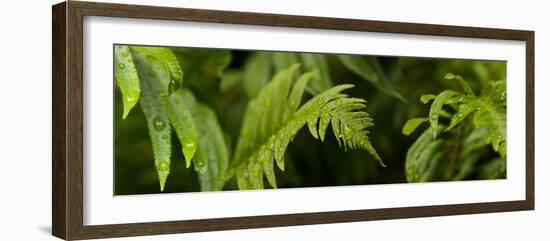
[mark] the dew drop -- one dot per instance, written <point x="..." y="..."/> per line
<point x="121" y="66"/>
<point x="130" y="99"/>
<point x="173" y="85"/>
<point x="163" y="166"/>
<point x="347" y="131"/>
<point x="159" y="124"/>
<point x="460" y="115"/>
<point x="461" y="99"/>
<point x="434" y="117"/>
<point x="188" y="144"/>
<point x="200" y="163"/>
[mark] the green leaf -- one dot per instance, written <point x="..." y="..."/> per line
<point x="436" y="106"/>
<point x="427" y="98"/>
<point x="127" y="78"/>
<point x="491" y="113"/>
<point x="369" y="69"/>
<point x="273" y="118"/>
<point x="257" y="71"/>
<point x="424" y="157"/>
<point x="412" y="124"/>
<point x="155" y="113"/>
<point x="182" y="120"/>
<point x="463" y="83"/>
<point x="170" y="62"/>
<point x="212" y="154"/>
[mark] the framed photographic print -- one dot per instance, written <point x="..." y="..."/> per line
<point x="172" y="120"/>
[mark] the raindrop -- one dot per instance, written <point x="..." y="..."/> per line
<point x="460" y="115"/>
<point x="121" y="66"/>
<point x="159" y="124"/>
<point x="163" y="166"/>
<point x="130" y="99"/>
<point x="434" y="117"/>
<point x="188" y="144"/>
<point x="173" y="85"/>
<point x="200" y="163"/>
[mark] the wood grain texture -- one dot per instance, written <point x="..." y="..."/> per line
<point x="67" y="149"/>
<point x="59" y="193"/>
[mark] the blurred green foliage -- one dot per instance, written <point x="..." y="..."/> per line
<point x="219" y="84"/>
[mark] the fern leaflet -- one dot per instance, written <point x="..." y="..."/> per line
<point x="273" y="118"/>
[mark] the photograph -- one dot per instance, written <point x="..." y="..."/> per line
<point x="190" y="119"/>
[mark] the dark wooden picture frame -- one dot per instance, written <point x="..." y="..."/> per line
<point x="67" y="150"/>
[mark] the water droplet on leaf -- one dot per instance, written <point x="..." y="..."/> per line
<point x="163" y="166"/>
<point x="130" y="99"/>
<point x="121" y="66"/>
<point x="173" y="86"/>
<point x="188" y="144"/>
<point x="158" y="124"/>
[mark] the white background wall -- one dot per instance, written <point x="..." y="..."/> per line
<point x="25" y="120"/>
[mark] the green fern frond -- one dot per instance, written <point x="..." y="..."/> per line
<point x="154" y="109"/>
<point x="273" y="118"/>
<point x="453" y="157"/>
<point x="164" y="111"/>
<point x="487" y="126"/>
<point x="488" y="110"/>
<point x="212" y="156"/>
<point x="170" y="62"/>
<point x="127" y="78"/>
